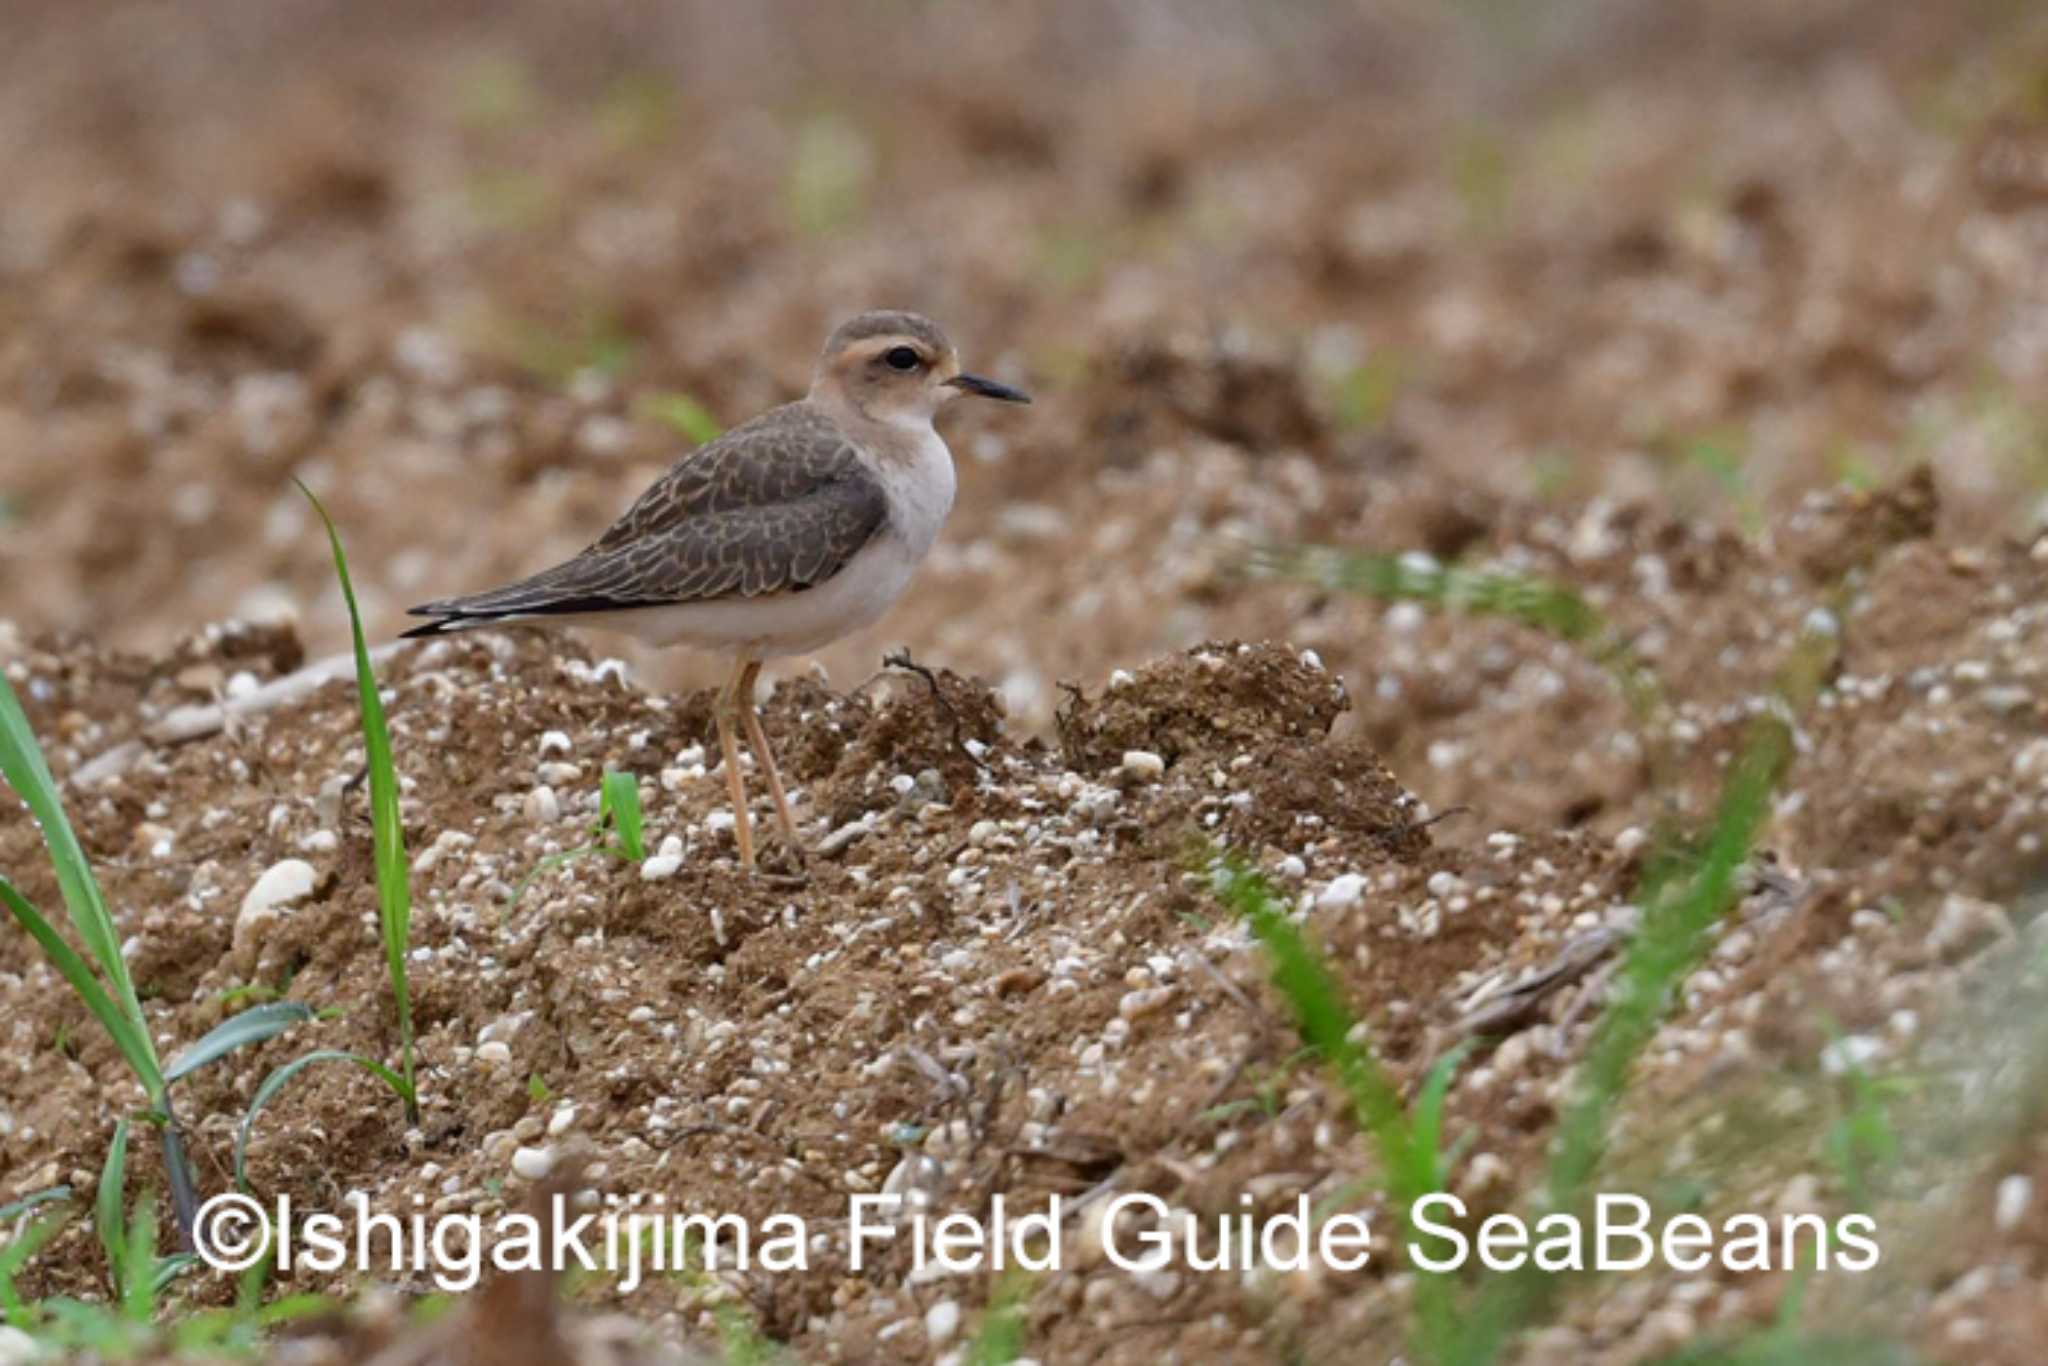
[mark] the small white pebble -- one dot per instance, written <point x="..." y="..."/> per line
<point x="554" y="742"/>
<point x="660" y="867"/>
<point x="1143" y="764"/>
<point x="1848" y="1053"/>
<point x="2015" y="1194"/>
<point x="494" y="1053"/>
<point x="1346" y="889"/>
<point x="941" y="1321"/>
<point x="533" y="1163"/>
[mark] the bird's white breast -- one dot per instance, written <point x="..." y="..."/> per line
<point x="920" y="488"/>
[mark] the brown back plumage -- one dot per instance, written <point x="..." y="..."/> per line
<point x="776" y="505"/>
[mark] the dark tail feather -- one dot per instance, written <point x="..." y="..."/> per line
<point x="448" y="625"/>
<point x="432" y="628"/>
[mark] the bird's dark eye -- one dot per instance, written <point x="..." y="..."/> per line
<point x="903" y="358"/>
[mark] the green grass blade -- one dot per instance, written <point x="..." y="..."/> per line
<point x="1553" y="608"/>
<point x="551" y="861"/>
<point x="683" y="413"/>
<point x="253" y="1025"/>
<point x="1324" y="1022"/>
<point x="276" y="1082"/>
<point x="394" y="891"/>
<point x="109" y="1220"/>
<point x="1302" y="975"/>
<point x="15" y="1255"/>
<point x="26" y="771"/>
<point x="619" y="798"/>
<point x="1532" y="601"/>
<point x="293" y="1308"/>
<point x="1672" y="939"/>
<point x="1000" y="1339"/>
<point x="146" y="1276"/>
<point x="1428" y="1109"/>
<point x="128" y="1033"/>
<point x="16" y="1208"/>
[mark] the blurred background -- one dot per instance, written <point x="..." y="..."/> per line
<point x="1401" y="274"/>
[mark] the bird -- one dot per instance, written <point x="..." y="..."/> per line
<point x="795" y="528"/>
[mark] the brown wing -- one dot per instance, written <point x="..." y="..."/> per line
<point x="775" y="505"/>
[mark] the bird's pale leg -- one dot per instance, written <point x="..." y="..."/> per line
<point x="728" y="703"/>
<point x="765" y="756"/>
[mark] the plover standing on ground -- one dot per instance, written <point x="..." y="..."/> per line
<point x="782" y="535"/>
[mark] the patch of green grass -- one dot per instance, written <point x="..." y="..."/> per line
<point x="1406" y="1141"/>
<point x="1363" y="396"/>
<point x="1684" y="893"/>
<point x="618" y="811"/>
<point x="1269" y="1085"/>
<point x="594" y="344"/>
<point x="829" y="175"/>
<point x="1526" y="599"/>
<point x="683" y="413"/>
<point x="497" y="93"/>
<point x="638" y="111"/>
<point x="1721" y="454"/>
<point x="1862" y="1145"/>
<point x="1482" y="173"/>
<point x="1000" y="1338"/>
<point x="100" y="976"/>
<point x="394" y="889"/>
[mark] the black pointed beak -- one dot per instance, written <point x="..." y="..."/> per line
<point x="988" y="388"/>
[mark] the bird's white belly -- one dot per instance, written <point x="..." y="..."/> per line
<point x="785" y="623"/>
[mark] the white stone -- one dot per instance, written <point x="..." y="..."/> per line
<point x="542" y="806"/>
<point x="1143" y="764"/>
<point x="533" y="1163"/>
<point x="18" y="1348"/>
<point x="660" y="867"/>
<point x="494" y="1053"/>
<point x="283" y="884"/>
<point x="1849" y="1053"/>
<point x="941" y="1321"/>
<point x="2015" y="1193"/>
<point x="1346" y="889"/>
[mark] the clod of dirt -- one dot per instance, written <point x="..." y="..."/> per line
<point x="1217" y="700"/>
<point x="1156" y="389"/>
<point x="932" y="720"/>
<point x="1839" y="529"/>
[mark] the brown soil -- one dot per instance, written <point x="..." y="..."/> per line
<point x="1732" y="324"/>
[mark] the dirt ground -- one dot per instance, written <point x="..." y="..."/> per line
<point x="1734" y="319"/>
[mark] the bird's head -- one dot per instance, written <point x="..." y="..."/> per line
<point x="897" y="368"/>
